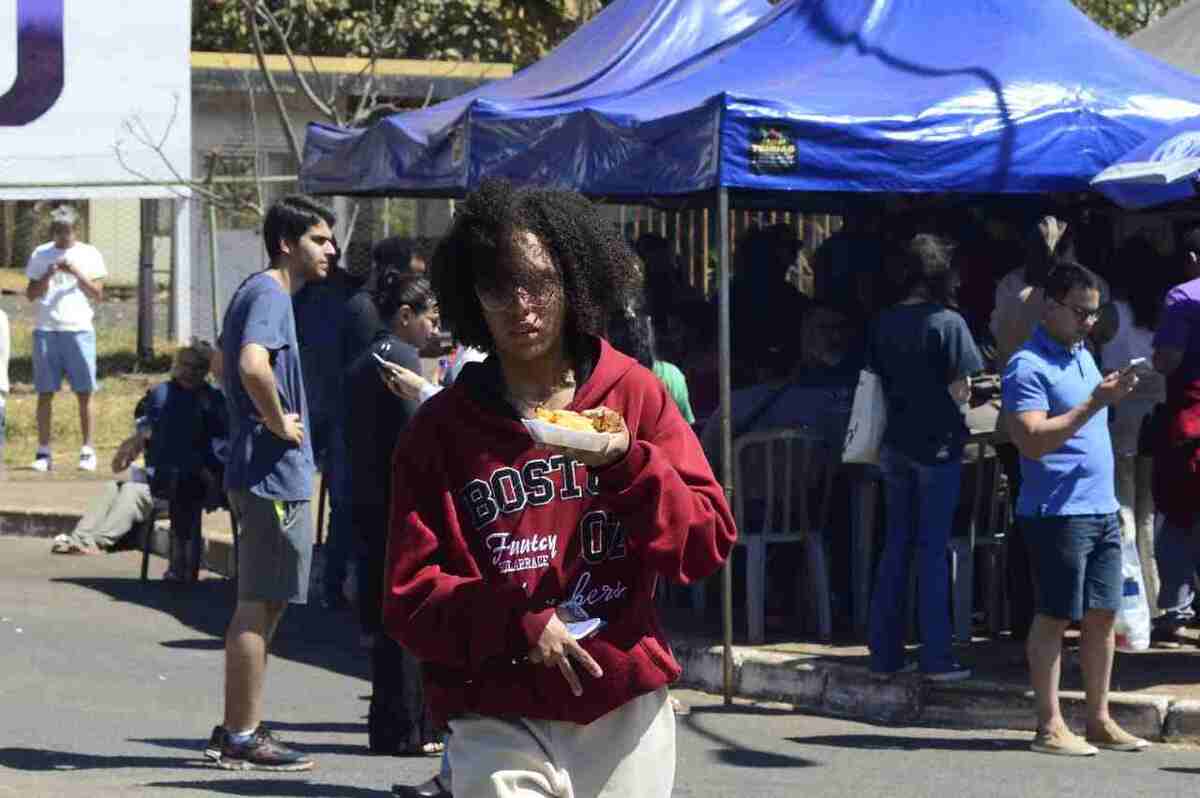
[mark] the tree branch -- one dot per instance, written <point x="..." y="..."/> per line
<point x="319" y="104"/>
<point x="251" y="9"/>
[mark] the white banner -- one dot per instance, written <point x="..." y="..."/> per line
<point x="81" y="80"/>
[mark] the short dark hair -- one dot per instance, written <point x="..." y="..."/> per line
<point x="1190" y="240"/>
<point x="598" y="270"/>
<point x="289" y="219"/>
<point x="392" y="253"/>
<point x="397" y="289"/>
<point x="926" y="263"/>
<point x="1065" y="276"/>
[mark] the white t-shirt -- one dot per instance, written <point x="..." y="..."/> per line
<point x="64" y="307"/>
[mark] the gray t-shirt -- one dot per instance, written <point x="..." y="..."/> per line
<point x="260" y="462"/>
<point x="918" y="350"/>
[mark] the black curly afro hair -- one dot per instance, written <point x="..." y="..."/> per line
<point x="600" y="273"/>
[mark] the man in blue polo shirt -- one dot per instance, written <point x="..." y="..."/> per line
<point x="1056" y="407"/>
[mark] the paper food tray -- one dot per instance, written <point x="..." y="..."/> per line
<point x="542" y="432"/>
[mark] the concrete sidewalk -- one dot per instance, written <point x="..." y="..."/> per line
<point x="1156" y="693"/>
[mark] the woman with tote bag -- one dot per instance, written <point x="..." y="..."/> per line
<point x="924" y="356"/>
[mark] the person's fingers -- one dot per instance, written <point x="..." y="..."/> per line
<point x="568" y="672"/>
<point x="580" y="655"/>
<point x="536" y="657"/>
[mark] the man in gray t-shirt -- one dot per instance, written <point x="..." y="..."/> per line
<point x="270" y="472"/>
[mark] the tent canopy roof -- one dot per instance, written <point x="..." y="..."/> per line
<point x="669" y="98"/>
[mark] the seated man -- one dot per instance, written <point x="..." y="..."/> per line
<point x="188" y="421"/>
<point x="179" y="426"/>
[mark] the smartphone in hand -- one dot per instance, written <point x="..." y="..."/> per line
<point x="1135" y="365"/>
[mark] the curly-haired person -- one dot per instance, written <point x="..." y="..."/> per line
<point x="498" y="543"/>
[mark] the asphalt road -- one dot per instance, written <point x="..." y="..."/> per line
<point x="109" y="687"/>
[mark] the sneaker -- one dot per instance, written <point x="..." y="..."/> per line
<point x="1062" y="742"/>
<point x="430" y="789"/>
<point x="216" y="741"/>
<point x="957" y="672"/>
<point x="262" y="752"/>
<point x="1167" y="637"/>
<point x="220" y="737"/>
<point x="42" y="462"/>
<point x="1113" y="738"/>
<point x="87" y="460"/>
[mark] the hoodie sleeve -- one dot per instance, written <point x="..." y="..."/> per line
<point x="674" y="509"/>
<point x="435" y="601"/>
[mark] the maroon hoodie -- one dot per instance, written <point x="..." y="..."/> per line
<point x="490" y="532"/>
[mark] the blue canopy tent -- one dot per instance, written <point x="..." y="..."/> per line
<point x="806" y="103"/>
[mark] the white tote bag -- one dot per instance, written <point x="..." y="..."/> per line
<point x="868" y="419"/>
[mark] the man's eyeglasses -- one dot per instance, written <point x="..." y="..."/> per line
<point x="1082" y="315"/>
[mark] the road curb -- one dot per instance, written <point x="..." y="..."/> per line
<point x="810" y="684"/>
<point x="850" y="691"/>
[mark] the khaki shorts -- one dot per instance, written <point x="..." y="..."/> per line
<point x="275" y="545"/>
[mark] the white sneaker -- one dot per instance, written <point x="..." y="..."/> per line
<point x="42" y="463"/>
<point x="87" y="460"/>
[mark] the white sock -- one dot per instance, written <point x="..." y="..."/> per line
<point x="86" y="450"/>
<point x="43" y="451"/>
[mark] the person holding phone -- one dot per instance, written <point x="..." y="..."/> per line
<point x="396" y="720"/>
<point x="498" y="543"/>
<point x="1057" y="403"/>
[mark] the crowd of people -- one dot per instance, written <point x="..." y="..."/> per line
<point x="445" y="514"/>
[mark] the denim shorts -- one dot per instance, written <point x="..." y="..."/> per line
<point x="1076" y="563"/>
<point x="71" y="354"/>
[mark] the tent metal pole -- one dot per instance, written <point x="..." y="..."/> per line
<point x="726" y="428"/>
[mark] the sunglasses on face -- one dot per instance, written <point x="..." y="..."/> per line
<point x="537" y="291"/>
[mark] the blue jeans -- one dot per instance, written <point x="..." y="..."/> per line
<point x="1177" y="552"/>
<point x="920" y="501"/>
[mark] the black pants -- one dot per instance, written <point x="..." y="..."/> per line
<point x="1020" y="569"/>
<point x="397" y="721"/>
<point x="185" y="497"/>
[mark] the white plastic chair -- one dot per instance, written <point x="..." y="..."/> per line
<point x="784" y="470"/>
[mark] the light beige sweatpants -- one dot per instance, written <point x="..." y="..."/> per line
<point x="628" y="753"/>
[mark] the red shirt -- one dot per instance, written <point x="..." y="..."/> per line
<point x="490" y="532"/>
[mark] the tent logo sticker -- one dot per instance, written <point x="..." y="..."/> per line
<point x="772" y="150"/>
<point x="39" y="81"/>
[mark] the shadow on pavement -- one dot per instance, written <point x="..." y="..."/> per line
<point x="193" y="744"/>
<point x="277" y="787"/>
<point x="197" y="644"/>
<point x="881" y="742"/>
<point x="1183" y="771"/>
<point x="734" y="752"/>
<point x="308" y="634"/>
<point x="40" y="759"/>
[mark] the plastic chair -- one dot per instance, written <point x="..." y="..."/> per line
<point x="777" y="475"/>
<point x="986" y="526"/>
<point x="146" y="530"/>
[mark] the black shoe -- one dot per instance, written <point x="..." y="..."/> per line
<point x="430" y="789"/>
<point x="262" y="752"/>
<point x="220" y="736"/>
<point x="1167" y="637"/>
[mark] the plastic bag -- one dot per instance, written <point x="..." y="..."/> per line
<point x="1133" y="619"/>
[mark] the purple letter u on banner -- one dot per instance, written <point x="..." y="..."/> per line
<point x="39" y="62"/>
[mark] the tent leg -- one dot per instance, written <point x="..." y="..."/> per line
<point x="726" y="427"/>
